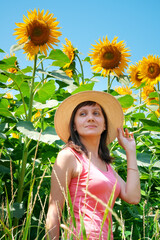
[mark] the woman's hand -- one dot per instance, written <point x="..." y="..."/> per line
<point x="126" y="140"/>
<point x="130" y="190"/>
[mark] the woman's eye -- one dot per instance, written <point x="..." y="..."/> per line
<point x="96" y="113"/>
<point x="82" y="114"/>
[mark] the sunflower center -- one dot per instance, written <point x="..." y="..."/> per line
<point x="38" y="31"/>
<point x="108" y="55"/>
<point x="111" y="57"/>
<point x="153" y="70"/>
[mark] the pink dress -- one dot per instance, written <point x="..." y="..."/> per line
<point x="100" y="184"/>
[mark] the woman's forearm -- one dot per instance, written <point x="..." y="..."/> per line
<point x="52" y="226"/>
<point x="133" y="182"/>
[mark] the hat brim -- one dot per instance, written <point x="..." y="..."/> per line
<point x="110" y="105"/>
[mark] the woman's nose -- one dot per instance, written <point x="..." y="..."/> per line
<point x="90" y="117"/>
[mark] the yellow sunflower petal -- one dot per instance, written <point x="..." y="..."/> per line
<point x="109" y="57"/>
<point x="69" y="50"/>
<point x="134" y="73"/>
<point x="150" y="69"/>
<point x="38" y="32"/>
<point x="145" y="94"/>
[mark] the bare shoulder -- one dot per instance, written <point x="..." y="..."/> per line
<point x="65" y="157"/>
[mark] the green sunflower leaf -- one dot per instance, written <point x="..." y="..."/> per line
<point x="45" y="92"/>
<point x="16" y="47"/>
<point x="49" y="104"/>
<point x="59" y="57"/>
<point x="125" y="101"/>
<point x="153" y="95"/>
<point x="84" y="87"/>
<point x="8" y="63"/>
<point x="150" y="125"/>
<point x="47" y="136"/>
<point x="4" y="108"/>
<point x="1" y="51"/>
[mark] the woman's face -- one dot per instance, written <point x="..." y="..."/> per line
<point x="89" y="121"/>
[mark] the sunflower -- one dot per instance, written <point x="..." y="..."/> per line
<point x="145" y="94"/>
<point x="36" y="115"/>
<point x="38" y="32"/>
<point x="150" y="69"/>
<point x="109" y="57"/>
<point x="123" y="90"/>
<point x="69" y="50"/>
<point x="134" y="73"/>
<point x="13" y="70"/>
<point x="8" y="96"/>
<point x="69" y="72"/>
<point x="14" y="135"/>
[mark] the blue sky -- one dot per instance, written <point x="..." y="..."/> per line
<point x="136" y="22"/>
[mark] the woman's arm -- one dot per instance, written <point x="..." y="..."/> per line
<point x="62" y="173"/>
<point x="130" y="190"/>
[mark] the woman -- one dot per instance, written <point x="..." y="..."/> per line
<point x="87" y="122"/>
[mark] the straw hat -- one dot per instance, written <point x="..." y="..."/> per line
<point x="109" y="103"/>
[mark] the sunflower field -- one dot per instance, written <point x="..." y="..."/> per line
<point x="29" y="145"/>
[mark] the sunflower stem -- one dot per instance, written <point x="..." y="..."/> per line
<point x="42" y="111"/>
<point x="140" y="101"/>
<point x="27" y="140"/>
<point x="109" y="83"/>
<point x="32" y="90"/>
<point x="158" y="85"/>
<point x="82" y="72"/>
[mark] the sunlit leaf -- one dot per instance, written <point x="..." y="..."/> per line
<point x="49" y="104"/>
<point x="87" y="59"/>
<point x="58" y="75"/>
<point x="125" y="101"/>
<point x="7" y="63"/>
<point x="124" y="79"/>
<point x="151" y="125"/>
<point x="4" y="108"/>
<point x="143" y="159"/>
<point x="20" y="110"/>
<point x="16" y="47"/>
<point x="153" y="107"/>
<point x="84" y="87"/>
<point x="138" y="115"/>
<point x="47" y="136"/>
<point x="59" y="57"/>
<point x="3" y="77"/>
<point x="1" y="51"/>
<point x="45" y="92"/>
<point x="153" y="95"/>
<point x="27" y="69"/>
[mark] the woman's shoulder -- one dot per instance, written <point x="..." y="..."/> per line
<point x="66" y="154"/>
<point x="66" y="159"/>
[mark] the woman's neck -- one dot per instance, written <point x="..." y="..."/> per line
<point x="92" y="145"/>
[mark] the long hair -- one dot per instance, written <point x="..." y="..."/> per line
<point x="74" y="140"/>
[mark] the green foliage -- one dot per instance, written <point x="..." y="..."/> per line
<point x="29" y="146"/>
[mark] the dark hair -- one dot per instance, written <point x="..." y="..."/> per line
<point x="74" y="140"/>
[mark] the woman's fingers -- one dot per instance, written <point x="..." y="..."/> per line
<point x="125" y="133"/>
